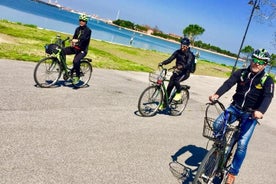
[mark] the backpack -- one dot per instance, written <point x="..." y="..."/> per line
<point x="262" y="81"/>
<point x="193" y="64"/>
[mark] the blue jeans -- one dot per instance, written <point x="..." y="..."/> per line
<point x="246" y="131"/>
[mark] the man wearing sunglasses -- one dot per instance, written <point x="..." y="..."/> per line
<point x="184" y="58"/>
<point x="254" y="92"/>
<point x="79" y="46"/>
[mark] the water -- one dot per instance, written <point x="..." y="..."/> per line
<point x="48" y="17"/>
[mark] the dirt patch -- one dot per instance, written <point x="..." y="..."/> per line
<point x="6" y="39"/>
<point x="221" y="69"/>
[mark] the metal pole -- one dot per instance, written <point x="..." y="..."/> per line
<point x="254" y="6"/>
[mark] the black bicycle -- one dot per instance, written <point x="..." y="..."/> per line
<point x="49" y="69"/>
<point x="215" y="165"/>
<point x="154" y="95"/>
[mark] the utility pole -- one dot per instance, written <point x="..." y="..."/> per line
<point x="255" y="6"/>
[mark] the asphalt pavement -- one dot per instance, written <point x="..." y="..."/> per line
<point x="95" y="135"/>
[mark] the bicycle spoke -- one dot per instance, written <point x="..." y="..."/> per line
<point x="149" y="101"/>
<point x="177" y="107"/>
<point x="85" y="74"/>
<point x="208" y="167"/>
<point x="47" y="72"/>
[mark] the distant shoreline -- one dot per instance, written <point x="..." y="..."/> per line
<point x="110" y="22"/>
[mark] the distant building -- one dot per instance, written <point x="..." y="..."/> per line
<point x="174" y="35"/>
<point x="150" y="31"/>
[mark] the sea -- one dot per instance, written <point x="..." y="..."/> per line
<point x="58" y="19"/>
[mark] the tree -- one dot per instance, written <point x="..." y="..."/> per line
<point x="272" y="62"/>
<point x="267" y="11"/>
<point x="247" y="50"/>
<point x="192" y="31"/>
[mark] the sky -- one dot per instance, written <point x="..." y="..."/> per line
<point x="224" y="21"/>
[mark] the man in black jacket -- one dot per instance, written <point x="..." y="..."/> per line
<point x="79" y="46"/>
<point x="184" y="58"/>
<point x="254" y="92"/>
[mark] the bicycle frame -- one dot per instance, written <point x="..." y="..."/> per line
<point x="163" y="85"/>
<point x="221" y="152"/>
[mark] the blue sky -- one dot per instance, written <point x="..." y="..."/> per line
<point x="224" y="21"/>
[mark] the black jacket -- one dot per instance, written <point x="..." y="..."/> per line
<point x="250" y="93"/>
<point x="183" y="59"/>
<point x="83" y="34"/>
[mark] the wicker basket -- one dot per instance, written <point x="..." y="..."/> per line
<point x="155" y="78"/>
<point x="209" y="133"/>
<point x="208" y="128"/>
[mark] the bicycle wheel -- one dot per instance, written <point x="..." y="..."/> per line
<point x="85" y="74"/>
<point x="208" y="167"/>
<point x="150" y="100"/>
<point x="47" y="72"/>
<point x="177" y="107"/>
<point x="229" y="158"/>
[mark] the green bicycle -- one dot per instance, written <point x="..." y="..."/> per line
<point x="49" y="69"/>
<point x="153" y="96"/>
<point x="216" y="163"/>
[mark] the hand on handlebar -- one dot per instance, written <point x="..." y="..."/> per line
<point x="257" y="115"/>
<point x="213" y="97"/>
<point x="160" y="64"/>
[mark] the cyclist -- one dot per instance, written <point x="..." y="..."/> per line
<point x="184" y="58"/>
<point x="79" y="46"/>
<point x="254" y="91"/>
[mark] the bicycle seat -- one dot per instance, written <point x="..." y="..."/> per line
<point x="88" y="59"/>
<point x="186" y="87"/>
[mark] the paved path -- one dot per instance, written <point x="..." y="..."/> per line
<point x="94" y="135"/>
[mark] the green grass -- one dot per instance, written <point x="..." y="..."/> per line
<point x="26" y="42"/>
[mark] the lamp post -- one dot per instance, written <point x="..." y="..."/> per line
<point x="255" y="6"/>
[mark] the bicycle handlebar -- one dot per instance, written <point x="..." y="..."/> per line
<point x="249" y="110"/>
<point x="216" y="101"/>
<point x="68" y="38"/>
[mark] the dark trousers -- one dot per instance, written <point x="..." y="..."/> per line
<point x="78" y="56"/>
<point x="175" y="80"/>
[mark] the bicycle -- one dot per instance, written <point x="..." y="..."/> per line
<point x="216" y="163"/>
<point x="49" y="69"/>
<point x="154" y="95"/>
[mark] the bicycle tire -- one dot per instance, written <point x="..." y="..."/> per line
<point x="229" y="159"/>
<point x="177" y="107"/>
<point x="150" y="100"/>
<point x="208" y="167"/>
<point x="47" y="72"/>
<point x="86" y="70"/>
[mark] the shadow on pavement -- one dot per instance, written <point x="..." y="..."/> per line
<point x="197" y="155"/>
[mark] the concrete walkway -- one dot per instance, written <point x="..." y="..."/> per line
<point x="94" y="135"/>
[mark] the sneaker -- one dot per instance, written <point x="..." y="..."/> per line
<point x="177" y="97"/>
<point x="75" y="80"/>
<point x="230" y="179"/>
<point x="161" y="107"/>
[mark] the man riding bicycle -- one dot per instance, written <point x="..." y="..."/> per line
<point x="79" y="46"/>
<point x="184" y="58"/>
<point x="254" y="91"/>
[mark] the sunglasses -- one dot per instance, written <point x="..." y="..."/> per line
<point x="258" y="61"/>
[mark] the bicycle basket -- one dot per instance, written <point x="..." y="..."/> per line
<point x="212" y="111"/>
<point x="208" y="128"/>
<point x="179" y="171"/>
<point x="155" y="78"/>
<point x="52" y="48"/>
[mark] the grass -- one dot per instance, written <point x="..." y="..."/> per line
<point x="26" y="43"/>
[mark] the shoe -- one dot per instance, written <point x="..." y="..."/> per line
<point x="75" y="80"/>
<point x="161" y="107"/>
<point x="177" y="97"/>
<point x="230" y="179"/>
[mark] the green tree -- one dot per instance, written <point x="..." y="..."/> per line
<point x="247" y="50"/>
<point x="272" y="62"/>
<point x="124" y="23"/>
<point x="192" y="31"/>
